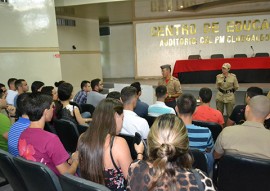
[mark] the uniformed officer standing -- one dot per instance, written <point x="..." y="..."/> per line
<point x="226" y="84"/>
<point x="173" y="86"/>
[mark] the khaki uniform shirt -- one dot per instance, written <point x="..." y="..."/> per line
<point x="229" y="84"/>
<point x="250" y="139"/>
<point x="268" y="95"/>
<point x="173" y="85"/>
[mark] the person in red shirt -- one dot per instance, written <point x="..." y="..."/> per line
<point x="204" y="112"/>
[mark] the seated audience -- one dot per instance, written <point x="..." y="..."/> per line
<point x="21" y="87"/>
<point x="5" y="109"/>
<point x="251" y="138"/>
<point x="5" y="123"/>
<point x="141" y="108"/>
<point x="36" y="144"/>
<point x="3" y="87"/>
<point x="238" y="114"/>
<point x="160" y="107"/>
<point x="50" y="90"/>
<point x="94" y="96"/>
<point x="81" y="96"/>
<point x="114" y="95"/>
<point x="132" y="122"/>
<point x="57" y="84"/>
<point x="169" y="165"/>
<point x="199" y="137"/>
<point x="36" y="86"/>
<point x="19" y="126"/>
<point x="99" y="158"/>
<point x="11" y="93"/>
<point x="66" y="110"/>
<point x="204" y="112"/>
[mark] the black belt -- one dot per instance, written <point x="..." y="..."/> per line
<point x="226" y="91"/>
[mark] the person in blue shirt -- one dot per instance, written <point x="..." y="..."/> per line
<point x="19" y="126"/>
<point x="199" y="137"/>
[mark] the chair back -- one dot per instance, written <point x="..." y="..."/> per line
<point x="194" y="57"/>
<point x="87" y="108"/>
<point x="37" y="176"/>
<point x="199" y="160"/>
<point x="236" y="172"/>
<point x="71" y="183"/>
<point x="49" y="127"/>
<point x="81" y="128"/>
<point x="215" y="128"/>
<point x="150" y="120"/>
<point x="67" y="133"/>
<point x="130" y="141"/>
<point x="240" y="56"/>
<point x="262" y="54"/>
<point x="217" y="56"/>
<point x="10" y="171"/>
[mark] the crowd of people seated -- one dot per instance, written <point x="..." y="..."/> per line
<point x="104" y="157"/>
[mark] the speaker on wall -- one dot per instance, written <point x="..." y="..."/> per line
<point x="104" y="31"/>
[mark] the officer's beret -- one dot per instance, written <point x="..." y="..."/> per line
<point x="168" y="66"/>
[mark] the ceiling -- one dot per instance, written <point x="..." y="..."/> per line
<point x="127" y="11"/>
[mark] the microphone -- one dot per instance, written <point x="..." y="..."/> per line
<point x="252" y="51"/>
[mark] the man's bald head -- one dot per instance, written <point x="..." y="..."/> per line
<point x="259" y="107"/>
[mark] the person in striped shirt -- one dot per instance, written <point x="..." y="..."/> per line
<point x="199" y="137"/>
<point x="19" y="126"/>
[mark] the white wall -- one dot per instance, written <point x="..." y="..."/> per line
<point x="28" y="41"/>
<point x="118" y="52"/>
<point x="150" y="55"/>
<point x="84" y="62"/>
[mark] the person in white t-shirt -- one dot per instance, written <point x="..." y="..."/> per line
<point x="11" y="93"/>
<point x="132" y="122"/>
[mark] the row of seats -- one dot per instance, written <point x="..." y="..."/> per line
<point x="196" y="57"/>
<point x="24" y="175"/>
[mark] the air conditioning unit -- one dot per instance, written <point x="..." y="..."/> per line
<point x="65" y="22"/>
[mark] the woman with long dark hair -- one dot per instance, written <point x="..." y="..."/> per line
<point x="104" y="158"/>
<point x="169" y="165"/>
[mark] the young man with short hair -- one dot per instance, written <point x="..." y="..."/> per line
<point x="199" y="137"/>
<point x="204" y="112"/>
<point x="21" y="87"/>
<point x="94" y="96"/>
<point x="81" y="96"/>
<point x="251" y="138"/>
<point x="132" y="122"/>
<point x="38" y="145"/>
<point x="19" y="126"/>
<point x="11" y="93"/>
<point x="238" y="114"/>
<point x="160" y="108"/>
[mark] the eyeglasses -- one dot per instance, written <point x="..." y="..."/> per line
<point x="225" y="79"/>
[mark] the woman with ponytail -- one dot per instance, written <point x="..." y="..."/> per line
<point x="169" y="165"/>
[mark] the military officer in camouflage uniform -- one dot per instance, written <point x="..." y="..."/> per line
<point x="173" y="86"/>
<point x="226" y="84"/>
